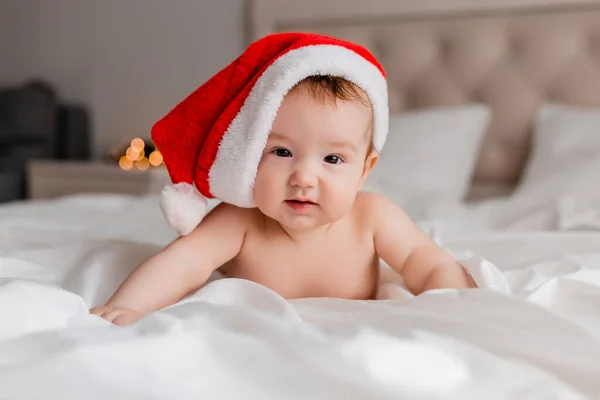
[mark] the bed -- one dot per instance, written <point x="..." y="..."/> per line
<point x="493" y="149"/>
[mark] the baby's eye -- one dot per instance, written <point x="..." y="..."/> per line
<point x="282" y="153"/>
<point x="333" y="160"/>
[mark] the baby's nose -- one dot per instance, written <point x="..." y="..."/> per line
<point x="303" y="177"/>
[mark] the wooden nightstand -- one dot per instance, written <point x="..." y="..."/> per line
<point x="48" y="179"/>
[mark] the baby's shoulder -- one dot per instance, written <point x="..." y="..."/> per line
<point x="371" y="207"/>
<point x="231" y="214"/>
<point x="371" y="201"/>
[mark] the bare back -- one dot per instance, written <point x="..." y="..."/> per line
<point x="337" y="262"/>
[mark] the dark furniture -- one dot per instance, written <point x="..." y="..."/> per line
<point x="36" y="124"/>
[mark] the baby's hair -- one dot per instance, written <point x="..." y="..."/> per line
<point x="328" y="87"/>
<point x="332" y="88"/>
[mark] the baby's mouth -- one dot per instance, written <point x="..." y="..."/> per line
<point x="300" y="205"/>
<point x="295" y="201"/>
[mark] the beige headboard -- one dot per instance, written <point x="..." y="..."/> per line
<point x="510" y="54"/>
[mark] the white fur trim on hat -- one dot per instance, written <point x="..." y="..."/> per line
<point x="183" y="207"/>
<point x="233" y="173"/>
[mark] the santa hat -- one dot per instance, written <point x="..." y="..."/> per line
<point x="213" y="141"/>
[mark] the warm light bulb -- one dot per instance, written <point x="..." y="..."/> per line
<point x="132" y="154"/>
<point x="125" y="163"/>
<point x="138" y="144"/>
<point x="143" y="164"/>
<point x="156" y="158"/>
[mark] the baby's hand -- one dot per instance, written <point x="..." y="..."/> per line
<point x="118" y="316"/>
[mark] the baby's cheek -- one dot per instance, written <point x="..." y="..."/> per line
<point x="265" y="171"/>
<point x="348" y="181"/>
<point x="343" y="192"/>
<point x="268" y="185"/>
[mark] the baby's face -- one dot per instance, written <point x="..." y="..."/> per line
<point x="315" y="161"/>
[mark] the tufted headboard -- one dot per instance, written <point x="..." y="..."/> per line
<point x="510" y="54"/>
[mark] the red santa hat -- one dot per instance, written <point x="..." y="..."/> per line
<point x="213" y="141"/>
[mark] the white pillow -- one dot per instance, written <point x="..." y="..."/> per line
<point x="430" y="156"/>
<point x="565" y="156"/>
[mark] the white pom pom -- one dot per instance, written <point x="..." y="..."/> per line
<point x="183" y="207"/>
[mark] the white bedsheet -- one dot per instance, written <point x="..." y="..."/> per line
<point x="236" y="339"/>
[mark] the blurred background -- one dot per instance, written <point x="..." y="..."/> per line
<point x="82" y="82"/>
<point x="79" y="80"/>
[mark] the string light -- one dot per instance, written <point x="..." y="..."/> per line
<point x="132" y="153"/>
<point x="138" y="145"/>
<point x="156" y="158"/>
<point x="135" y="155"/>
<point x="142" y="164"/>
<point x="125" y="163"/>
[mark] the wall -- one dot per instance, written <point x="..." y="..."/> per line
<point x="129" y="61"/>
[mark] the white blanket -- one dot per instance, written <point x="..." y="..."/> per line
<point x="236" y="339"/>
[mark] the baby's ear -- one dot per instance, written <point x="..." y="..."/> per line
<point x="370" y="162"/>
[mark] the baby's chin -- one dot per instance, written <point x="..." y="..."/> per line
<point x="301" y="224"/>
<point x="305" y="223"/>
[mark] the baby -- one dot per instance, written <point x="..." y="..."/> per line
<point x="310" y="231"/>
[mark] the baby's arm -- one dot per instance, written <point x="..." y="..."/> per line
<point x="409" y="251"/>
<point x="181" y="267"/>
